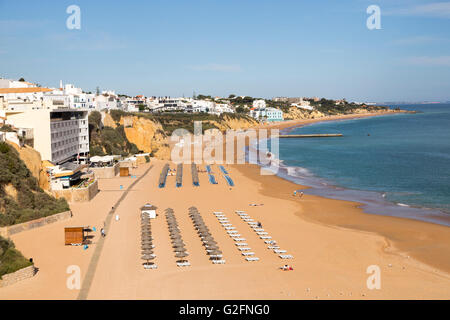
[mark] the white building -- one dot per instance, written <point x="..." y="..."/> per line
<point x="259" y="104"/>
<point x="59" y="135"/>
<point x="267" y="114"/>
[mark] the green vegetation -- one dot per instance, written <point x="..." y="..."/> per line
<point x="6" y="128"/>
<point x="21" y="198"/>
<point x="331" y="107"/>
<point x="176" y="120"/>
<point x="108" y="140"/>
<point x="11" y="259"/>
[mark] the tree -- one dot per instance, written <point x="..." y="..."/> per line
<point x="240" y="109"/>
<point x="22" y="80"/>
<point x="231" y="96"/>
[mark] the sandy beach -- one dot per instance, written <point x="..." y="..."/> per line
<point x="333" y="243"/>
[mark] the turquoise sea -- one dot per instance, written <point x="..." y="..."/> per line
<point x="395" y="165"/>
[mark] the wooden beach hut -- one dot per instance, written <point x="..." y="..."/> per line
<point x="124" y="171"/>
<point x="74" y="235"/>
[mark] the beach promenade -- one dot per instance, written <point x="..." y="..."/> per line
<point x="329" y="262"/>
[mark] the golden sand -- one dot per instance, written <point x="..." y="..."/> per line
<point x="333" y="243"/>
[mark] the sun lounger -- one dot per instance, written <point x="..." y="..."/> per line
<point x="235" y="235"/>
<point x="218" y="212"/>
<point x="244" y="248"/>
<point x="239" y="211"/>
<point x="273" y="247"/>
<point x="248" y="254"/>
<point x="218" y="261"/>
<point x="232" y="231"/>
<point x="270" y="242"/>
<point x="241" y="244"/>
<point x="262" y="233"/>
<point x="253" y="223"/>
<point x="230" y="228"/>
<point x="279" y="251"/>
<point x="226" y="225"/>
<point x="151" y="266"/>
<point x="252" y="259"/>
<point x="256" y="229"/>
<point x="239" y="239"/>
<point x="183" y="264"/>
<point x="286" y="256"/>
<point x="265" y="237"/>
<point x="216" y="256"/>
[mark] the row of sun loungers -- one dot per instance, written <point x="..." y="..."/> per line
<point x="211" y="247"/>
<point x="179" y="177"/>
<point x="239" y="241"/>
<point x="175" y="236"/>
<point x="163" y="176"/>
<point x="211" y="177"/>
<point x="194" y="173"/>
<point x="272" y="244"/>
<point x="147" y="243"/>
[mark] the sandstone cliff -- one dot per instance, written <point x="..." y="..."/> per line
<point x="147" y="135"/>
<point x="296" y="113"/>
<point x="33" y="161"/>
<point x="234" y="123"/>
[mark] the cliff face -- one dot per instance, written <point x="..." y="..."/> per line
<point x="296" y="113"/>
<point x="235" y="123"/>
<point x="150" y="135"/>
<point x="147" y="135"/>
<point x="33" y="161"/>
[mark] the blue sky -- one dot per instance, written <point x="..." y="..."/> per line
<point x="259" y="48"/>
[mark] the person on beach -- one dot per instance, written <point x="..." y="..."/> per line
<point x="102" y="231"/>
<point x="301" y="194"/>
<point x="259" y="224"/>
<point x="295" y="193"/>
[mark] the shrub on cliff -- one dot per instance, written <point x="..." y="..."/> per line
<point x="11" y="259"/>
<point x="29" y="201"/>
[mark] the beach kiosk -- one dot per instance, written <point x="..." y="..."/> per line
<point x="74" y="235"/>
<point x="149" y="210"/>
<point x="124" y="171"/>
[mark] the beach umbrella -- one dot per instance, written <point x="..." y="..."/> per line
<point x="182" y="249"/>
<point x="214" y="252"/>
<point x="146" y="252"/>
<point x="181" y="255"/>
<point x="148" y="257"/>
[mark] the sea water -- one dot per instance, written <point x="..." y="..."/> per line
<point x="395" y="165"/>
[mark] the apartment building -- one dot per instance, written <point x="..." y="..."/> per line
<point x="60" y="135"/>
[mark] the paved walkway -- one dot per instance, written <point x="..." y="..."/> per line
<point x="87" y="282"/>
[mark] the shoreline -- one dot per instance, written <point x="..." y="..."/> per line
<point x="365" y="224"/>
<point x="332" y="243"/>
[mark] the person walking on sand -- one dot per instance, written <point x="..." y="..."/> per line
<point x="102" y="231"/>
<point x="301" y="194"/>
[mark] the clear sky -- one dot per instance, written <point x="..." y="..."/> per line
<point x="259" y="48"/>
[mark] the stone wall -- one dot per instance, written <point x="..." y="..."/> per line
<point x="77" y="195"/>
<point x="6" y="232"/>
<point x="106" y="172"/>
<point x="19" y="275"/>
